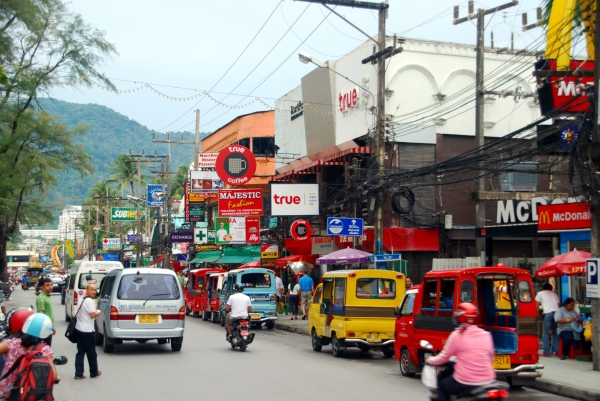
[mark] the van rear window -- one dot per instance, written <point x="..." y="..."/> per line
<point x="256" y="280"/>
<point x="96" y="280"/>
<point x="148" y="286"/>
<point x="375" y="288"/>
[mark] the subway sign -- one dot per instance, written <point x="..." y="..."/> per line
<point x="518" y="212"/>
<point x="126" y="214"/>
<point x="564" y="217"/>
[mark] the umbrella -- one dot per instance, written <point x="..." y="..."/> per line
<point x="567" y="264"/>
<point x="344" y="256"/>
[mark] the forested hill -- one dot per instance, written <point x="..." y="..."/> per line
<point x="109" y="134"/>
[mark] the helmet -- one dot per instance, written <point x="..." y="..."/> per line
<point x="466" y="313"/>
<point x="38" y="325"/>
<point x="15" y="319"/>
<point x="238" y="287"/>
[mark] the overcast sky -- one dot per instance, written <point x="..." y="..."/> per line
<point x="183" y="47"/>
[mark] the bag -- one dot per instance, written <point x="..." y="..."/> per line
<point x="71" y="332"/>
<point x="35" y="377"/>
<point x="429" y="376"/>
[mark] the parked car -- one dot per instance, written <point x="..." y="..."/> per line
<point x="57" y="283"/>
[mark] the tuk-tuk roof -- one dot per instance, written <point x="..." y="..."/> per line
<point x="253" y="269"/>
<point x="207" y="270"/>
<point x="374" y="273"/>
<point x="474" y="271"/>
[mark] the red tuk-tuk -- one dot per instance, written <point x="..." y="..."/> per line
<point x="196" y="292"/>
<point x="508" y="311"/>
<point x="215" y="282"/>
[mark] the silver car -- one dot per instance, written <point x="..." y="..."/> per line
<point x="140" y="305"/>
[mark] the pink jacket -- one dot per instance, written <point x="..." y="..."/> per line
<point x="474" y="352"/>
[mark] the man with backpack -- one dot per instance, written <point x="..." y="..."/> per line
<point x="29" y="370"/>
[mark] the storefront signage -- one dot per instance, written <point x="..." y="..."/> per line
<point x="201" y="235"/>
<point x="156" y="194"/>
<point x="205" y="182"/>
<point x="564" y="89"/>
<point x="206" y="247"/>
<point x="182" y="236"/>
<point x="126" y="214"/>
<point x="134" y="237"/>
<point x="236" y="165"/>
<point x="194" y="211"/>
<point x="294" y="199"/>
<point x="111" y="244"/>
<point x="269" y="251"/>
<point x="512" y="211"/>
<point x="348" y="99"/>
<point x="230" y="230"/>
<point x="253" y="230"/>
<point x="207" y="160"/>
<point x="128" y="247"/>
<point x="297" y="110"/>
<point x="323" y="245"/>
<point x="345" y="226"/>
<point x="241" y="202"/>
<point x="592" y="271"/>
<point x="568" y="216"/>
<point x="300" y="230"/>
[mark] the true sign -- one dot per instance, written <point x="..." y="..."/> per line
<point x="236" y="165"/>
<point x="294" y="199"/>
<point x="126" y="214"/>
<point x="592" y="289"/>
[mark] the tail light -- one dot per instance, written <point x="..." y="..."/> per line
<point x="173" y="316"/>
<point x="182" y="313"/>
<point x="114" y="315"/>
<point x="350" y="334"/>
<point x="75" y="298"/>
<point x="497" y="394"/>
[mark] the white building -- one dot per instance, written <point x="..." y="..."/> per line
<point x="67" y="223"/>
<point x="38" y="239"/>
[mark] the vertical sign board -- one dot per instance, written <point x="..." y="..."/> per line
<point x="592" y="288"/>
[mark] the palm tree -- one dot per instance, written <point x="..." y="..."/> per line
<point x="125" y="168"/>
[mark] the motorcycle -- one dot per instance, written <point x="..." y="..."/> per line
<point x="431" y="375"/>
<point x="241" y="334"/>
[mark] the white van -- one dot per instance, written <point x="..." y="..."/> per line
<point x="79" y="280"/>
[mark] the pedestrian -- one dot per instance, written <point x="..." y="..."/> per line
<point x="180" y="278"/>
<point x="294" y="290"/>
<point x="86" y="337"/>
<point x="408" y="283"/>
<point x="565" y="317"/>
<point x="279" y="290"/>
<point x="307" y="286"/>
<point x="185" y="279"/>
<point x="44" y="304"/>
<point x="550" y="303"/>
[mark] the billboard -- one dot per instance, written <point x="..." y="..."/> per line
<point x="155" y="194"/>
<point x="194" y="211"/>
<point x="205" y="182"/>
<point x="207" y="160"/>
<point x="230" y="230"/>
<point x="566" y="216"/>
<point x="294" y="199"/>
<point x="126" y="213"/>
<point x="241" y="202"/>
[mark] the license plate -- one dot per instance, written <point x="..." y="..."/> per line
<point x="501" y="362"/>
<point x="255" y="316"/>
<point x="244" y="333"/>
<point x="148" y="318"/>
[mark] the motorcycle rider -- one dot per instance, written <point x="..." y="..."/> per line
<point x="238" y="306"/>
<point x="474" y="351"/>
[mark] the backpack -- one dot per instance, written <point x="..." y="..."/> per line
<point x="35" y="378"/>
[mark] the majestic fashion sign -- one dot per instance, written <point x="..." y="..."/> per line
<point x="240" y="202"/>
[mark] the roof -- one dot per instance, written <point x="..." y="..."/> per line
<point x="364" y="273"/>
<point x="477" y="270"/>
<point x="235" y="119"/>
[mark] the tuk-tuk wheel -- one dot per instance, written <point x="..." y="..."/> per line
<point x="270" y="324"/>
<point x="316" y="343"/>
<point x="336" y="346"/>
<point x="213" y="317"/>
<point x="405" y="364"/>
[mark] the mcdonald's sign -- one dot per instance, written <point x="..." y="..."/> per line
<point x="564" y="217"/>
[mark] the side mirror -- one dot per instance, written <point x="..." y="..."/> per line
<point x="324" y="305"/>
<point x="426" y="344"/>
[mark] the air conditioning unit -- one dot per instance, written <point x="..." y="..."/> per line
<point x="522" y="178"/>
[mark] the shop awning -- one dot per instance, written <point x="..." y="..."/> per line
<point x="232" y="260"/>
<point x="282" y="262"/>
<point x="254" y="263"/>
<point x="156" y="262"/>
<point x="207" y="257"/>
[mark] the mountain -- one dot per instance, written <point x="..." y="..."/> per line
<point x="109" y="134"/>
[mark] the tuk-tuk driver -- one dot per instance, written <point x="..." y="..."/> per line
<point x="239" y="305"/>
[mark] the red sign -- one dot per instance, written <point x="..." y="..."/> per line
<point x="565" y="216"/>
<point x="564" y="89"/>
<point x="236" y="165"/>
<point x="241" y="202"/>
<point x="252" y="230"/>
<point x="348" y="100"/>
<point x="300" y="230"/>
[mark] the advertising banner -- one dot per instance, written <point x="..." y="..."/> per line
<point x="134" y="237"/>
<point x="55" y="258"/>
<point x="194" y="211"/>
<point x="207" y="160"/>
<point x="126" y="213"/>
<point x="241" y="202"/>
<point x="253" y="230"/>
<point x="294" y="199"/>
<point x="566" y="216"/>
<point x="230" y="230"/>
<point x="111" y="244"/>
<point x="236" y="164"/>
<point x="156" y="195"/>
<point x="69" y="248"/>
<point x="206" y="247"/>
<point x="269" y="251"/>
<point x="205" y="181"/>
<point x="182" y="236"/>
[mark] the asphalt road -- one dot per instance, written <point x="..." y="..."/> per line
<point x="277" y="366"/>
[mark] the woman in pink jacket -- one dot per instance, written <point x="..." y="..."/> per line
<point x="474" y="351"/>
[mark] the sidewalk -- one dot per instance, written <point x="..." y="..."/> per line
<point x="568" y="378"/>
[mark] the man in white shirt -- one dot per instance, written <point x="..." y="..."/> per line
<point x="279" y="289"/>
<point x="550" y="304"/>
<point x="221" y="233"/>
<point x="86" y="337"/>
<point x="238" y="307"/>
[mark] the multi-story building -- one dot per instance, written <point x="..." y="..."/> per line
<point x="67" y="223"/>
<point x="40" y="239"/>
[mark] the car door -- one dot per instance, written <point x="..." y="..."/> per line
<point x="104" y="300"/>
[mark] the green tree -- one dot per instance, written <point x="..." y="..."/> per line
<point x="125" y="168"/>
<point x="42" y="45"/>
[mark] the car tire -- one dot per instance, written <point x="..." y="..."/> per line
<point x="213" y="317"/>
<point x="270" y="324"/>
<point x="187" y="311"/>
<point x="108" y="345"/>
<point x="99" y="337"/>
<point x="204" y="315"/>
<point x="388" y="352"/>
<point x="162" y="341"/>
<point x="336" y="347"/>
<point x="405" y="364"/>
<point x="195" y="314"/>
<point x="67" y="318"/>
<point x="316" y="343"/>
<point x="176" y="344"/>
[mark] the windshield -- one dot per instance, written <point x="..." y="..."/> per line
<point x="375" y="288"/>
<point x="96" y="279"/>
<point x="256" y="280"/>
<point x="141" y="287"/>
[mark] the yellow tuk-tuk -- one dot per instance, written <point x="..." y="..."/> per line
<point x="355" y="308"/>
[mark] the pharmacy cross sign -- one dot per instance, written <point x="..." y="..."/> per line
<point x="200" y="235"/>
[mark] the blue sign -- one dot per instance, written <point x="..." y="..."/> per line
<point x="592" y="289"/>
<point x="389" y="257"/>
<point x="44" y="259"/>
<point x="111" y="256"/>
<point x="133" y="237"/>
<point x="155" y="194"/>
<point x="350" y="227"/>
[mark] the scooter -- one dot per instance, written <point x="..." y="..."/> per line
<point x="241" y="334"/>
<point x="431" y="375"/>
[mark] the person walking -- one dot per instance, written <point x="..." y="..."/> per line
<point x="294" y="290"/>
<point x="86" y="337"/>
<point x="44" y="304"/>
<point x="181" y="279"/>
<point x="307" y="286"/>
<point x="565" y="317"/>
<point x="279" y="290"/>
<point x="550" y="303"/>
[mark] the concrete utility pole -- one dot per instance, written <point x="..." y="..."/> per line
<point x="197" y="141"/>
<point x="595" y="198"/>
<point x="479" y="110"/>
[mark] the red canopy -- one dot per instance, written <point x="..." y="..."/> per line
<point x="567" y="264"/>
<point x="282" y="262"/>
<point x="254" y="263"/>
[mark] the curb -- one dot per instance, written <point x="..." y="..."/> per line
<point x="566" y="391"/>
<point x="292" y="329"/>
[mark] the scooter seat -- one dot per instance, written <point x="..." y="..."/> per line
<point x="496" y="385"/>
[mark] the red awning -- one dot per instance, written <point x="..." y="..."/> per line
<point x="282" y="262"/>
<point x="254" y="263"/>
<point x="157" y="261"/>
<point x="399" y="239"/>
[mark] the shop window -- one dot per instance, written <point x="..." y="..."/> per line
<point x="429" y="295"/>
<point x="446" y="302"/>
<point x="264" y="146"/>
<point x="466" y="291"/>
<point x="408" y="305"/>
<point x="524" y="291"/>
<point x="245" y="142"/>
<point x="339" y="292"/>
<point x="375" y="288"/>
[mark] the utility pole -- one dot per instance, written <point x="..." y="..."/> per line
<point x="197" y="141"/>
<point x="138" y="215"/>
<point x="479" y="110"/>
